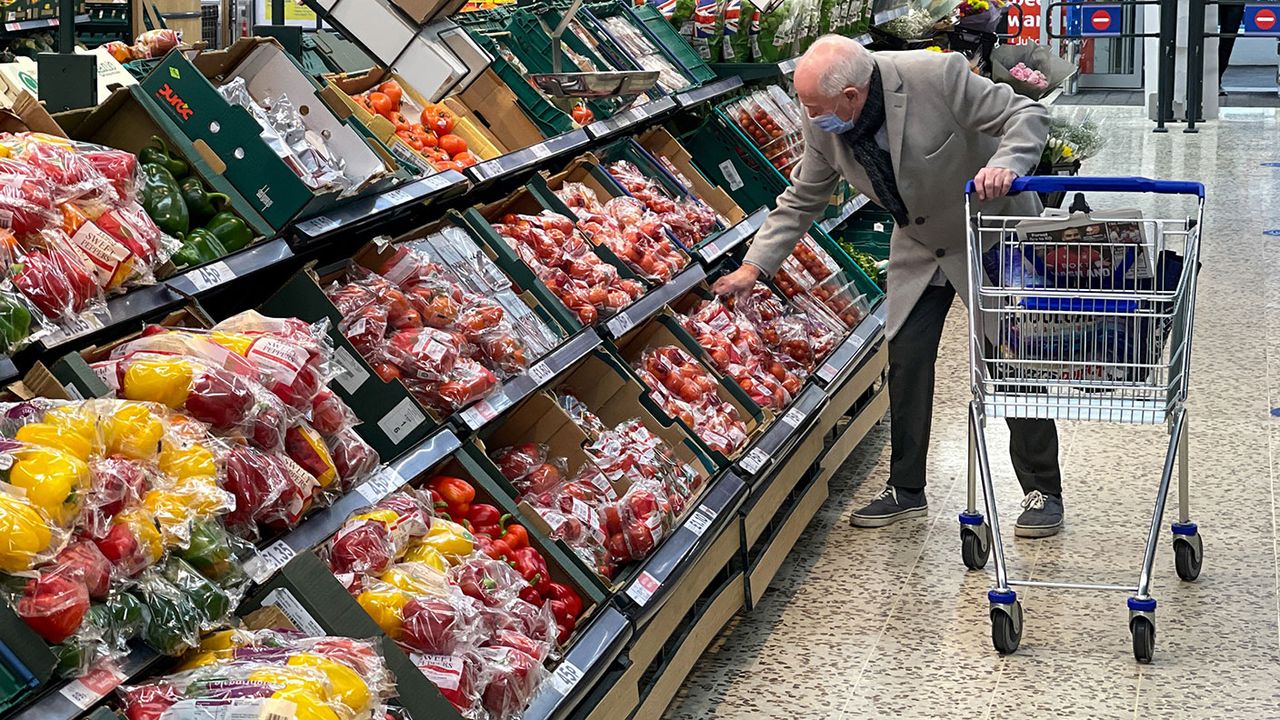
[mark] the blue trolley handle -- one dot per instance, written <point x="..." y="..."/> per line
<point x="1068" y="183"/>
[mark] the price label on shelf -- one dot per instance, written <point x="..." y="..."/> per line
<point x="293" y="609"/>
<point x="700" y="520"/>
<point x="541" y="373"/>
<point x="318" y="225"/>
<point x="710" y="251"/>
<point x="269" y="560"/>
<point x="382" y="484"/>
<point x="210" y="275"/>
<point x="754" y="460"/>
<point x="619" y="325"/>
<point x="642" y="588"/>
<point x="476" y="416"/>
<point x="84" y="692"/>
<point x="566" y="678"/>
<point x="540" y="151"/>
<point x="794" y="417"/>
<point x="398" y="196"/>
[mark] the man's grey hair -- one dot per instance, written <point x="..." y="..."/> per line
<point x="850" y="65"/>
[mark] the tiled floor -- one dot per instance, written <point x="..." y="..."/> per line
<point x="887" y="623"/>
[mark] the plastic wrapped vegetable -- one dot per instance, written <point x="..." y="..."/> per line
<point x="685" y="390"/>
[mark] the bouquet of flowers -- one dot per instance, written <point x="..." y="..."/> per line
<point x="1034" y="78"/>
<point x="1030" y="69"/>
<point x="1071" y="141"/>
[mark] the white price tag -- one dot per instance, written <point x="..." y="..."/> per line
<point x="642" y="588"/>
<point x="754" y="461"/>
<point x="541" y="373"/>
<point x="731" y="175"/>
<point x="478" y="415"/>
<point x="397" y="196"/>
<point x="292" y="609"/>
<point x="700" y="520"/>
<point x="793" y="417"/>
<point x="711" y="250"/>
<point x="86" y="691"/>
<point x="269" y="560"/>
<point x="382" y="484"/>
<point x="540" y="151"/>
<point x="351" y="375"/>
<point x="318" y="225"/>
<point x="827" y="372"/>
<point x="619" y="325"/>
<point x="403" y="419"/>
<point x="210" y="275"/>
<point x="566" y="677"/>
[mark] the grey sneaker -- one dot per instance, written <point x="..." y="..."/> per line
<point x="1042" y="516"/>
<point x="892" y="505"/>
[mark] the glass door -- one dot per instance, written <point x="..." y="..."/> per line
<point x="1114" y="62"/>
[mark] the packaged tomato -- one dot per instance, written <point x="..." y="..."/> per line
<point x="687" y="391"/>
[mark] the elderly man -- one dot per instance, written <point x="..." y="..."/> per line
<point x="908" y="130"/>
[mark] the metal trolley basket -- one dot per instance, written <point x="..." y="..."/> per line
<point x="1089" y="326"/>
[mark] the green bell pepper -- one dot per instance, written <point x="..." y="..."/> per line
<point x="162" y="199"/>
<point x="201" y="204"/>
<point x="199" y="247"/>
<point x="157" y="153"/>
<point x="210" y="601"/>
<point x="15" y="323"/>
<point x="172" y="624"/>
<point x="127" y="616"/>
<point x="209" y="552"/>
<point x="231" y="231"/>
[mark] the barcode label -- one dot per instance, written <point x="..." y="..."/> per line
<point x="293" y="609"/>
<point x="477" y="415"/>
<point x="351" y="375"/>
<point x="700" y="520"/>
<point x="731" y="175"/>
<point x="86" y="691"/>
<point x="540" y="151"/>
<point x="566" y="677"/>
<point x="643" y="588"/>
<point x="794" y="417"/>
<point x="397" y="196"/>
<point x="210" y="275"/>
<point x="754" y="460"/>
<point x="318" y="225"/>
<point x="619" y="325"/>
<point x="403" y="419"/>
<point x="710" y="251"/>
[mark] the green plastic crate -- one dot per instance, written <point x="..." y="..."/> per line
<point x="551" y="120"/>
<point x="866" y="285"/>
<point x="729" y="159"/>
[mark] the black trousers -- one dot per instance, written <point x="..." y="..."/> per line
<point x="1033" y="444"/>
<point x="1229" y="18"/>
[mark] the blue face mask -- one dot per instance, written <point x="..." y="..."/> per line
<point x="830" y="122"/>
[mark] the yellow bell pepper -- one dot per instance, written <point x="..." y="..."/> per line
<point x="163" y="380"/>
<point x="237" y="343"/>
<point x="427" y="555"/>
<point x="309" y="705"/>
<point x="24" y="534"/>
<point x="382" y="515"/>
<point x="204" y="496"/>
<point x="280" y="678"/>
<point x="203" y="659"/>
<point x="78" y="419"/>
<point x="219" y="641"/>
<point x="56" y="437"/>
<point x="53" y="481"/>
<point x="172" y="514"/>
<point x="451" y="539"/>
<point x="386" y="607"/>
<point x="144" y="530"/>
<point x="417" y="581"/>
<point x="134" y="432"/>
<point x="347" y="688"/>
<point x="181" y="463"/>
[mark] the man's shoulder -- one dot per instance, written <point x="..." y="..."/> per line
<point x="916" y="66"/>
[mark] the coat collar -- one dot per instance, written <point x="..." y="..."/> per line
<point x="895" y="109"/>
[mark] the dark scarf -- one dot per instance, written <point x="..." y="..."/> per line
<point x="875" y="160"/>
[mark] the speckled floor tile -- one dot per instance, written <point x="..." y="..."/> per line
<point x="889" y="623"/>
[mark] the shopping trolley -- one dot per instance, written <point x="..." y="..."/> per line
<point x="1091" y="325"/>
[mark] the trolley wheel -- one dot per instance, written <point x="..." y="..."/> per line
<point x="1187" y="558"/>
<point x="975" y="546"/>
<point x="1144" y="638"/>
<point x="1006" y="630"/>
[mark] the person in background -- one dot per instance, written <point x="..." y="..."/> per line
<point x="1229" y="18"/>
<point x="908" y="130"/>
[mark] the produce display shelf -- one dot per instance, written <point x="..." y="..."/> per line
<point x="540" y="374"/>
<point x="70" y="699"/>
<point x="582" y="668"/>
<point x="631" y="117"/>
<point x="40" y="24"/>
<point x="652" y="302"/>
<point x="380" y="207"/>
<point x="711" y="251"/>
<point x="848" y="354"/>
<point x="771" y="449"/>
<point x="530" y="158"/>
<point x="318" y="527"/>
<point x="663" y="570"/>
<point x="708" y="92"/>
<point x="846" y="211"/>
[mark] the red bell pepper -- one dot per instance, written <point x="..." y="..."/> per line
<point x="485" y="520"/>
<point x="516" y="536"/>
<point x="566" y="595"/>
<point x="456" y="493"/>
<point x="54" y="605"/>
<point x="529" y="563"/>
<point x="496" y="549"/>
<point x="531" y="595"/>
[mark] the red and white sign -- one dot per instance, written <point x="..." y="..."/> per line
<point x="1265" y="19"/>
<point x="1100" y="20"/>
<point x="1029" y="29"/>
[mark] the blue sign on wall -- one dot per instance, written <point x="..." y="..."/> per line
<point x="1100" y="20"/>
<point x="1261" y="20"/>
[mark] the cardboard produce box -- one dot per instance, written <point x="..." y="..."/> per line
<point x="496" y="108"/>
<point x="603" y="383"/>
<point x="339" y="92"/>
<point x="661" y="144"/>
<point x="186" y="91"/>
<point x="23" y="75"/>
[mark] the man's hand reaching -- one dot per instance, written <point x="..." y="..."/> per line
<point x="740" y="280"/>
<point x="993" y="182"/>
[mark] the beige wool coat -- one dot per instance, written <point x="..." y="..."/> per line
<point x="944" y="123"/>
